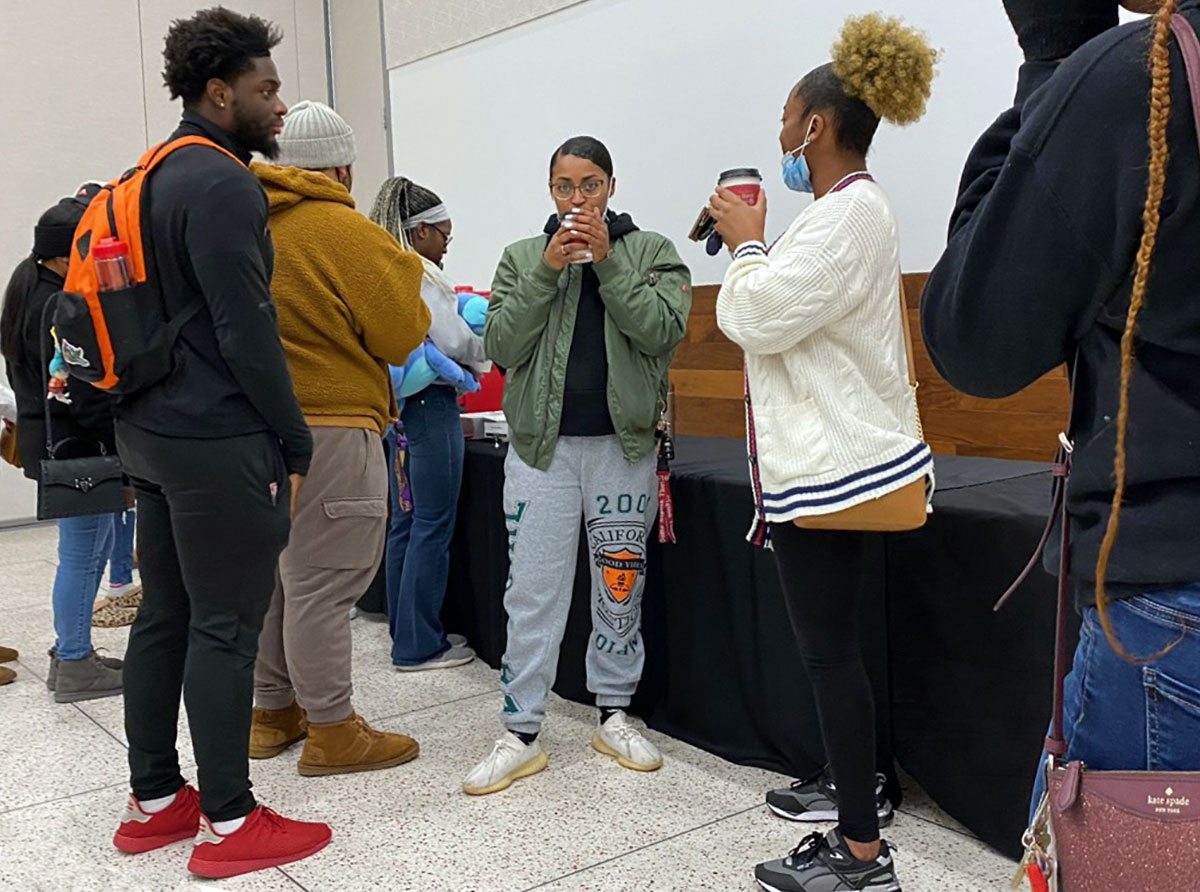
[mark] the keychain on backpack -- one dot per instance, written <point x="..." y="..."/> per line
<point x="56" y="389"/>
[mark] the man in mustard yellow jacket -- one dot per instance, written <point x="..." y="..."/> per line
<point x="349" y="304"/>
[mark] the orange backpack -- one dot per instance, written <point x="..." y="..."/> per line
<point x="120" y="340"/>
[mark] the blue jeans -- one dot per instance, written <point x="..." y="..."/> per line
<point x="84" y="544"/>
<point x="418" y="543"/>
<point x="120" y="558"/>
<point x="1122" y="716"/>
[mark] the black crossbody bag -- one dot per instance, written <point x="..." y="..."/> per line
<point x="78" y="477"/>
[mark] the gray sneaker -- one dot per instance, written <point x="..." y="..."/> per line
<point x="87" y="679"/>
<point x="52" y="674"/>
<point x="815" y="799"/>
<point x="448" y="659"/>
<point x="825" y="864"/>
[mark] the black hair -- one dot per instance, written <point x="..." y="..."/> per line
<point x="854" y="124"/>
<point x="217" y="43"/>
<point x="12" y="318"/>
<point x="586" y="147"/>
<point x="398" y="201"/>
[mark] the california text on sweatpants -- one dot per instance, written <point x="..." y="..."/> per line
<point x="589" y="479"/>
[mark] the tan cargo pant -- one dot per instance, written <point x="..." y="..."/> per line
<point x="334" y="552"/>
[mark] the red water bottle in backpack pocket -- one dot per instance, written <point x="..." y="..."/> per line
<point x="111" y="256"/>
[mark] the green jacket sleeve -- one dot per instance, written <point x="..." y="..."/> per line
<point x="649" y="305"/>
<point x="518" y="311"/>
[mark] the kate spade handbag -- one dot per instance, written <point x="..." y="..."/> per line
<point x="1104" y="831"/>
<point x="903" y="509"/>
<point x="77" y="477"/>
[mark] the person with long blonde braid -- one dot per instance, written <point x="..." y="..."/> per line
<point x="1073" y="241"/>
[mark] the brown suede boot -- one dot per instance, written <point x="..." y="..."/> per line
<point x="274" y="730"/>
<point x="7" y="676"/>
<point x="8" y="655"/>
<point x="353" y="745"/>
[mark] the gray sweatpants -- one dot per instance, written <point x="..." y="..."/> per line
<point x="589" y="479"/>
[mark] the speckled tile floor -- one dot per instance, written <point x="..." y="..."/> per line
<point x="585" y="824"/>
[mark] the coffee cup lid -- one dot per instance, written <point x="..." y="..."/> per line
<point x="739" y="172"/>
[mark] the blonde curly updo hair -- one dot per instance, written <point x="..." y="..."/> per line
<point x="881" y="70"/>
<point x="886" y="64"/>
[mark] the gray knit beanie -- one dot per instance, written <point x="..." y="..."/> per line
<point x="315" y="137"/>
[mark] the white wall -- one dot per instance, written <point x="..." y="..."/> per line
<point x="359" y="80"/>
<point x="81" y="97"/>
<point x="679" y="90"/>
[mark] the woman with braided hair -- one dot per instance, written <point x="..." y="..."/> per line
<point x="1074" y="241"/>
<point x="832" y="419"/>
<point x="417" y="557"/>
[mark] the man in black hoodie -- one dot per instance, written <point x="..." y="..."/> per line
<point x="1038" y="271"/>
<point x="216" y="451"/>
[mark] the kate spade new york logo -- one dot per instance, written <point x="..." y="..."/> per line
<point x="1169" y="803"/>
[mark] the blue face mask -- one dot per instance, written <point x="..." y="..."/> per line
<point x="796" y="175"/>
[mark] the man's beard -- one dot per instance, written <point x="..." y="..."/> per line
<point x="255" y="136"/>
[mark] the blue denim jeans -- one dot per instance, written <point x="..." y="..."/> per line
<point x="120" y="558"/>
<point x="1122" y="716"/>
<point x="84" y="544"/>
<point x="418" y="543"/>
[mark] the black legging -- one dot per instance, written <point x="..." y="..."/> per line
<point x="825" y="620"/>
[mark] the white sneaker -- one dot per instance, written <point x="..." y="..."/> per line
<point x="510" y="760"/>
<point x="455" y="656"/>
<point x="625" y="743"/>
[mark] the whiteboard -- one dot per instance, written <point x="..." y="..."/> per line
<point x="679" y="90"/>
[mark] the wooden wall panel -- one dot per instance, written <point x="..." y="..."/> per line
<point x="707" y="375"/>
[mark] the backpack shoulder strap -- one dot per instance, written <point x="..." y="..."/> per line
<point x="156" y="155"/>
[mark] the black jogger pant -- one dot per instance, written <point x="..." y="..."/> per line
<point x="212" y="521"/>
<point x="825" y="620"/>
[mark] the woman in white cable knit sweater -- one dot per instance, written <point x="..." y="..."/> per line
<point x="831" y="419"/>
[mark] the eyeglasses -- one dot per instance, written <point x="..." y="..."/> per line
<point x="447" y="238"/>
<point x="564" y="189"/>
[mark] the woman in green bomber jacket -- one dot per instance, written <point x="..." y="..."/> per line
<point x="585" y="318"/>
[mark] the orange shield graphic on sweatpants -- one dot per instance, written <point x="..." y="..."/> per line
<point x="621" y="570"/>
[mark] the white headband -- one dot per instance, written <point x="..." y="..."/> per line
<point x="436" y="214"/>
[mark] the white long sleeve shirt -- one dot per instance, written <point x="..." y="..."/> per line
<point x="8" y="404"/>
<point x="449" y="331"/>
<point x="832" y="419"/>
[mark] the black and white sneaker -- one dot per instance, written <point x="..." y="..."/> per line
<point x="825" y="864"/>
<point x="815" y="799"/>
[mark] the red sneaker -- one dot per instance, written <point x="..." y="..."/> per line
<point x="140" y="832"/>
<point x="267" y="839"/>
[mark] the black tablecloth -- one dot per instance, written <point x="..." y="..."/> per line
<point x="961" y="694"/>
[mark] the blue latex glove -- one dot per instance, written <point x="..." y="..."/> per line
<point x="473" y="309"/>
